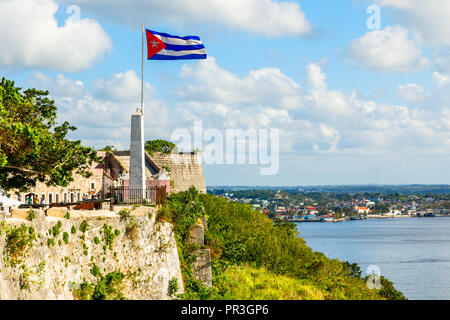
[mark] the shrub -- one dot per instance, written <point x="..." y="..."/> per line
<point x="108" y="235"/>
<point x="84" y="226"/>
<point x="55" y="231"/>
<point x="50" y="242"/>
<point x="31" y="214"/>
<point x="162" y="146"/>
<point x="18" y="241"/>
<point x="66" y="237"/>
<point x="107" y="287"/>
<point x="131" y="230"/>
<point x="173" y="287"/>
<point x="124" y="214"/>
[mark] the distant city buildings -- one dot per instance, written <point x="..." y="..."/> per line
<point x="287" y="206"/>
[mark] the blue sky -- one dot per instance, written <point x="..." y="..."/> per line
<point x="354" y="105"/>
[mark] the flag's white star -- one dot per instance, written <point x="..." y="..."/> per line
<point x="154" y="43"/>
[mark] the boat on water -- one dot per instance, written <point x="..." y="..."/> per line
<point x="319" y="220"/>
<point x="357" y="218"/>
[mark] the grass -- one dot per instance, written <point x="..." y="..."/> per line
<point x="250" y="283"/>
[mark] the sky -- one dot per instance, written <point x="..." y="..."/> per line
<point x="358" y="90"/>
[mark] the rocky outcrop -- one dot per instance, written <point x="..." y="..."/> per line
<point x="201" y="267"/>
<point x="65" y="251"/>
<point x="197" y="234"/>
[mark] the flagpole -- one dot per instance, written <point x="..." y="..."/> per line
<point x="142" y="73"/>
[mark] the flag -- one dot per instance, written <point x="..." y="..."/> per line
<point x="163" y="46"/>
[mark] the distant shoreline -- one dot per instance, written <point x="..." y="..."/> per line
<point x="368" y="217"/>
<point x="348" y="219"/>
<point x="373" y="188"/>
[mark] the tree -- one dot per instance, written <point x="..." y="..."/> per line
<point x="33" y="147"/>
<point x="162" y="146"/>
<point x="108" y="148"/>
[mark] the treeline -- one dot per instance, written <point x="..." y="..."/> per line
<point x="350" y="189"/>
<point x="323" y="198"/>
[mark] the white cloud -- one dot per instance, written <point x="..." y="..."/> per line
<point x="412" y="92"/>
<point x="428" y="19"/>
<point x="321" y="121"/>
<point x="264" y="86"/>
<point x="388" y="50"/>
<point x="31" y="37"/>
<point x="316" y="79"/>
<point x="441" y="79"/>
<point x="429" y="22"/>
<point x="60" y="86"/>
<point x="316" y="120"/>
<point x="267" y="17"/>
<point x="122" y="87"/>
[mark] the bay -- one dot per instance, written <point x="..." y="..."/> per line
<point x="413" y="253"/>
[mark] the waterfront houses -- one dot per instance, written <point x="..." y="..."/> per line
<point x="322" y="206"/>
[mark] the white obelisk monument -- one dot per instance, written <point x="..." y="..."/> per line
<point x="137" y="164"/>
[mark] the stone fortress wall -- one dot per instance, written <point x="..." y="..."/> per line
<point x="185" y="170"/>
<point x="52" y="267"/>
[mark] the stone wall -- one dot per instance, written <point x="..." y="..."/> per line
<point x="145" y="251"/>
<point x="185" y="170"/>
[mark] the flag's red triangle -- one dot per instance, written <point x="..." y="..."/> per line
<point x="154" y="45"/>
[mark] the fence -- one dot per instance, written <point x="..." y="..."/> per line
<point x="150" y="195"/>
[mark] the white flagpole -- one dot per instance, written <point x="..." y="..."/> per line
<point x="142" y="73"/>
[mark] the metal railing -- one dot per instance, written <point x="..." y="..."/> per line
<point x="126" y="196"/>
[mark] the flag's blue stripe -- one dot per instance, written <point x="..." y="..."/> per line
<point x="176" y="47"/>
<point x="188" y="56"/>
<point x="176" y="37"/>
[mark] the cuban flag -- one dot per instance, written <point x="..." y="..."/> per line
<point x="163" y="46"/>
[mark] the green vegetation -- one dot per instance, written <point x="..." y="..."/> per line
<point x="240" y="237"/>
<point x="124" y="214"/>
<point x="249" y="283"/>
<point x="173" y="287"/>
<point x="131" y="230"/>
<point x="108" y="148"/>
<point x="108" y="287"/>
<point x="31" y="214"/>
<point x="18" y="241"/>
<point x="66" y="237"/>
<point x="67" y="215"/>
<point x="166" y="168"/>
<point x="162" y="146"/>
<point x="50" y="242"/>
<point x="84" y="226"/>
<point x="33" y="147"/>
<point x="109" y="235"/>
<point x="55" y="231"/>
